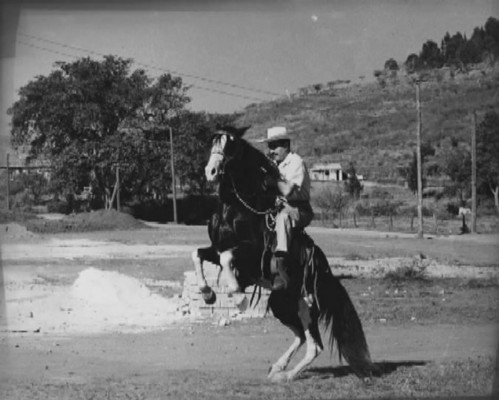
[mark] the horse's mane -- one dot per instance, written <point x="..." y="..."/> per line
<point x="261" y="160"/>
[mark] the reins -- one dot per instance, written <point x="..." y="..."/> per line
<point x="269" y="213"/>
<point x="245" y="204"/>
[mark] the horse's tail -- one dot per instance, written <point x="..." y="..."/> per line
<point x="338" y="313"/>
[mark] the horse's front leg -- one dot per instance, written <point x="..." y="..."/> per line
<point x="228" y="271"/>
<point x="198" y="256"/>
<point x="230" y="263"/>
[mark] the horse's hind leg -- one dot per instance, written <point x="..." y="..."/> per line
<point x="309" y="333"/>
<point x="283" y="362"/>
<point x="313" y="351"/>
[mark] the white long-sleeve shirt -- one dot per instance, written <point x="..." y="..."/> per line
<point x="296" y="179"/>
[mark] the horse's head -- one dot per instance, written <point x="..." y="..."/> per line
<point x="243" y="173"/>
<point x="225" y="146"/>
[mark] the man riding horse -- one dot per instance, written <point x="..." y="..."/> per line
<point x="294" y="207"/>
<point x="241" y="231"/>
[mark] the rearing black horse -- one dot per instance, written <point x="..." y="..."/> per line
<point x="238" y="231"/>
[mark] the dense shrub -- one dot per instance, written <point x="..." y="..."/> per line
<point x="58" y="206"/>
<point x="191" y="209"/>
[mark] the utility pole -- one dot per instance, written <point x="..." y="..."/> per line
<point x="473" y="173"/>
<point x="419" y="163"/>
<point x="8" y="181"/>
<point x="172" y="164"/>
<point x="118" y="200"/>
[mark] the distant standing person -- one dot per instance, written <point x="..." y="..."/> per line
<point x="295" y="209"/>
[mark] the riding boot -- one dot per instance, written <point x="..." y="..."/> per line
<point x="281" y="278"/>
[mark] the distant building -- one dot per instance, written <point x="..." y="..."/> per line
<point x="327" y="172"/>
<point x="19" y="162"/>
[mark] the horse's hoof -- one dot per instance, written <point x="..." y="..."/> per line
<point x="274" y="370"/>
<point x="368" y="381"/>
<point x="240" y="301"/>
<point x="208" y="295"/>
<point x="279" y="377"/>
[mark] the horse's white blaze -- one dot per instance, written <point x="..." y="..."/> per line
<point x="212" y="168"/>
<point x="226" y="259"/>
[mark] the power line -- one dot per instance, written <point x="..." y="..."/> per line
<point x="242" y="96"/>
<point x="191" y="76"/>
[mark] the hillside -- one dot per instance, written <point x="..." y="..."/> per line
<point x="374" y="125"/>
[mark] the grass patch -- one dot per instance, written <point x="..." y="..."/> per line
<point x="470" y="377"/>
<point x="415" y="271"/>
<point x="355" y="257"/>
<point x="447" y="301"/>
<point x="475" y="283"/>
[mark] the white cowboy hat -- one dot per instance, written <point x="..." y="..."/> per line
<point x="276" y="133"/>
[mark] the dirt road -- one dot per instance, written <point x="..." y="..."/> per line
<point x="48" y="350"/>
<point x="206" y="361"/>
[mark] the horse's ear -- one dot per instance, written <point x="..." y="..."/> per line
<point x="241" y="131"/>
<point x="237" y="132"/>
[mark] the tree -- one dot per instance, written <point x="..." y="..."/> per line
<point x="487" y="155"/>
<point x="412" y="63"/>
<point x="391" y="65"/>
<point x="411" y="172"/>
<point x="353" y="185"/>
<point x="452" y="47"/>
<point x="456" y="164"/>
<point x="332" y="200"/>
<point x="87" y="117"/>
<point x="430" y="55"/>
<point x="478" y="38"/>
<point x="470" y="53"/>
<point x="491" y="41"/>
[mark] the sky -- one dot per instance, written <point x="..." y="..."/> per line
<point x="231" y="52"/>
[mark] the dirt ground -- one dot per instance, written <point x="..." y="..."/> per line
<point x="99" y="315"/>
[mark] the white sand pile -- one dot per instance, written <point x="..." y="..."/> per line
<point x="98" y="301"/>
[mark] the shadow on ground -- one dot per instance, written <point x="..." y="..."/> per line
<point x="381" y="368"/>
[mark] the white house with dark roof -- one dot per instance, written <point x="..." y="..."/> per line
<point x="327" y="172"/>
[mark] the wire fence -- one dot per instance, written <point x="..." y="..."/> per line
<point x="406" y="224"/>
